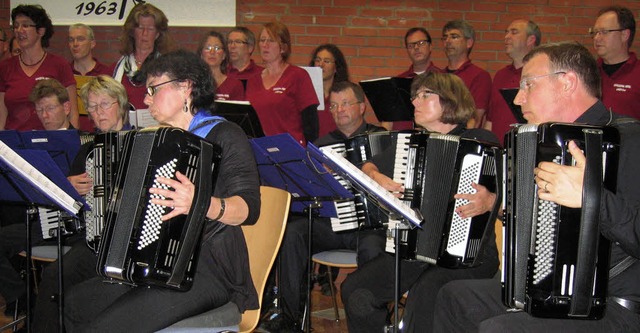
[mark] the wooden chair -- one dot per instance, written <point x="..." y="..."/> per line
<point x="263" y="242"/>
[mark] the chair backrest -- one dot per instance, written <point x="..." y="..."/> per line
<point x="263" y="241"/>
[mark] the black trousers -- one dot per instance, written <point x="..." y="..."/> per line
<point x="13" y="239"/>
<point x="78" y="265"/>
<point x="367" y="292"/>
<point x="293" y="255"/>
<point x="96" y="306"/>
<point x="476" y="306"/>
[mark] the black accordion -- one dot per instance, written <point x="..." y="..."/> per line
<point x="102" y="166"/>
<point x="361" y="212"/>
<point x="555" y="261"/>
<point x="136" y="246"/>
<point x="439" y="166"/>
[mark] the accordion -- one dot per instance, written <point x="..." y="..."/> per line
<point x="439" y="166"/>
<point x="136" y="246"/>
<point x="102" y="167"/>
<point x="360" y="211"/>
<point x="52" y="219"/>
<point x="555" y="262"/>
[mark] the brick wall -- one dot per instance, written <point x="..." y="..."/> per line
<point x="370" y="32"/>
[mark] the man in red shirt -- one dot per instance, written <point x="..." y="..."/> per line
<point x="520" y="37"/>
<point x="241" y="43"/>
<point x="613" y="35"/>
<point x="418" y="43"/>
<point x="458" y="38"/>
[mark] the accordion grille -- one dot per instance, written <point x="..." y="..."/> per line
<point x="152" y="217"/>
<point x="546" y="227"/>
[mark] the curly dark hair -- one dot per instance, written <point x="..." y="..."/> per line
<point x="342" y="69"/>
<point x="182" y="65"/>
<point x="39" y="16"/>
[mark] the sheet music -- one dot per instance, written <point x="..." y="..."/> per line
<point x="315" y="73"/>
<point x="142" y="118"/>
<point x="360" y="179"/>
<point x="37" y="179"/>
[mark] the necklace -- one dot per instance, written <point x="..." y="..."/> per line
<point x="31" y="65"/>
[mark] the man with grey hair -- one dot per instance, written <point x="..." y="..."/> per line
<point x="81" y="43"/>
<point x="458" y="38"/>
<point x="612" y="36"/>
<point x="520" y="37"/>
<point x="241" y="43"/>
<point x="560" y="83"/>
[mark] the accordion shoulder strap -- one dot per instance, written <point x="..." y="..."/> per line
<point x="589" y="234"/>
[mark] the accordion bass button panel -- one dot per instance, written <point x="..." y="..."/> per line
<point x="152" y="221"/>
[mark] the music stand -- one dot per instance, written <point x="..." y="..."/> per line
<point x="241" y="113"/>
<point x="391" y="205"/>
<point x="30" y="177"/>
<point x="390" y="98"/>
<point x="509" y="95"/>
<point x="284" y="164"/>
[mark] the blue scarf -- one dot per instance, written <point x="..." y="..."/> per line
<point x="203" y="122"/>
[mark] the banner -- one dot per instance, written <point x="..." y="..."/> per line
<point x="185" y="13"/>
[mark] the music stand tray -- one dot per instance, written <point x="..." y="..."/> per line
<point x="241" y="113"/>
<point x="283" y="163"/>
<point x="390" y="98"/>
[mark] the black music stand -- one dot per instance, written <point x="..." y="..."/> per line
<point x="509" y="95"/>
<point x="411" y="218"/>
<point x="284" y="164"/>
<point x="241" y="113"/>
<point x="390" y="98"/>
<point x="31" y="178"/>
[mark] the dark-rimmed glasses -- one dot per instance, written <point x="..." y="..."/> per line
<point x="151" y="90"/>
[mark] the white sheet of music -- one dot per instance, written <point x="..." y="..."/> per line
<point x="36" y="178"/>
<point x="370" y="185"/>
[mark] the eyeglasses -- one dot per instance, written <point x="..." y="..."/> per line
<point x="424" y="94"/>
<point x="214" y="48"/>
<point x="267" y="40"/>
<point x="237" y="42"/>
<point x="343" y="105"/>
<point x="594" y="32"/>
<point x="419" y="43"/>
<point x="326" y="61"/>
<point x="151" y="90"/>
<point x="17" y="25"/>
<point x="104" y="106"/>
<point x="48" y="109"/>
<point x="526" y="84"/>
<point x="452" y="36"/>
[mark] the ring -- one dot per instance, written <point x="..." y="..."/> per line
<point x="545" y="187"/>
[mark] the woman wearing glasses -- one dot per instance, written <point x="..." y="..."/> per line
<point x="145" y="35"/>
<point x="213" y="50"/>
<point x="282" y="94"/>
<point x="32" y="29"/>
<point x="181" y="94"/>
<point x="443" y="104"/>
<point x="334" y="70"/>
<point x="108" y="107"/>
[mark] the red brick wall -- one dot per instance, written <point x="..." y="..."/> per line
<point x="370" y="32"/>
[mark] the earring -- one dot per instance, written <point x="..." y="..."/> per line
<point x="185" y="108"/>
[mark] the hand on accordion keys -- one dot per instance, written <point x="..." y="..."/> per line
<point x="387" y="183"/>
<point x="562" y="184"/>
<point x="480" y="202"/>
<point x="175" y="194"/>
<point x="82" y="183"/>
